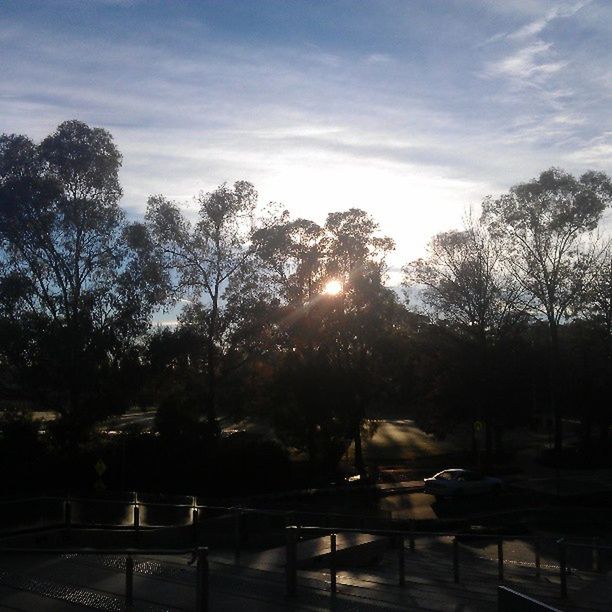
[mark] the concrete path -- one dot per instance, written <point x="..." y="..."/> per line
<point x="72" y="582"/>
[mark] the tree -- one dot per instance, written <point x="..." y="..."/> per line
<point x="202" y="259"/>
<point x="340" y="335"/>
<point x="595" y="341"/>
<point x="293" y="254"/>
<point x="546" y="225"/>
<point x="464" y="284"/>
<point x="69" y="266"/>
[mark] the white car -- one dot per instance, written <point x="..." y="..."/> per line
<point x="457" y="482"/>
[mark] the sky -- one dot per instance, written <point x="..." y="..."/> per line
<point x="412" y="110"/>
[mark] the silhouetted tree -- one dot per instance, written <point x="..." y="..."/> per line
<point x="69" y="269"/>
<point x="202" y="259"/>
<point x="465" y="284"/>
<point x="336" y="334"/>
<point x="545" y="225"/>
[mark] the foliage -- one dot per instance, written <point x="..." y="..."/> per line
<point x="73" y="294"/>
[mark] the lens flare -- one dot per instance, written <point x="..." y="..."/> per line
<point x="332" y="287"/>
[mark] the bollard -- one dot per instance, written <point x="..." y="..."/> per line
<point x="332" y="563"/>
<point x="456" y="558"/>
<point x="129" y="582"/>
<point x="291" y="560"/>
<point x="202" y="580"/>
<point x="195" y="519"/>
<point x="500" y="559"/>
<point x="563" y="568"/>
<point x="401" y="562"/>
<point x="536" y="547"/>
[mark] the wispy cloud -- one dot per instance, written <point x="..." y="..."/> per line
<point x="401" y="120"/>
<point x="527" y="65"/>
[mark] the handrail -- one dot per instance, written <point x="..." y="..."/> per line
<point x="97" y="551"/>
<point x="404" y="532"/>
<point x="189" y="506"/>
<point x="582" y="545"/>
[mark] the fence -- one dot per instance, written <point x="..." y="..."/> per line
<point x="295" y="532"/>
<point x="140" y="514"/>
<point x="59" y="512"/>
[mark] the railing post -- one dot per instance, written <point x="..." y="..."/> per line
<point x="411" y="535"/>
<point x="202" y="580"/>
<point x="237" y="535"/>
<point x="536" y="547"/>
<point x="456" y="559"/>
<point x="68" y="517"/>
<point x="195" y="519"/>
<point x="596" y="556"/>
<point x="291" y="560"/>
<point x="332" y="563"/>
<point x="500" y="559"/>
<point x="563" y="568"/>
<point x="401" y="561"/>
<point x="137" y="522"/>
<point x="129" y="581"/>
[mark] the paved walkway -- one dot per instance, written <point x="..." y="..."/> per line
<point x="72" y="582"/>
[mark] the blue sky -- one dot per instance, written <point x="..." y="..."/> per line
<point x="412" y="110"/>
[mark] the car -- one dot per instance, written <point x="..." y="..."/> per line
<point x="457" y="482"/>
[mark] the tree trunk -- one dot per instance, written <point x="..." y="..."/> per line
<point x="499" y="439"/>
<point x="311" y="449"/>
<point x="359" y="463"/>
<point x="604" y="433"/>
<point x="489" y="427"/>
<point x="211" y="367"/>
<point x="553" y="385"/>
<point x="587" y="430"/>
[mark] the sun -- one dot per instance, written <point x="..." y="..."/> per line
<point x="332" y="287"/>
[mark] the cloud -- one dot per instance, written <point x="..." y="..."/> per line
<point x="537" y="26"/>
<point x="526" y="65"/>
<point x="411" y="133"/>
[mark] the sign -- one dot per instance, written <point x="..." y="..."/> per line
<point x="100" y="467"/>
<point x="478" y="426"/>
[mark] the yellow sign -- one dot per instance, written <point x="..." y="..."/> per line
<point x="478" y="426"/>
<point x="100" y="467"/>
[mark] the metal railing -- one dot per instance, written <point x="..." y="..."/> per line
<point x="62" y="510"/>
<point x="200" y="557"/>
<point x="238" y="515"/>
<point x="295" y="532"/>
<point x="596" y="548"/>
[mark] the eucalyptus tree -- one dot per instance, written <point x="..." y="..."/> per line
<point x="596" y="340"/>
<point x="202" y="258"/>
<point x="293" y="255"/>
<point x="465" y="286"/>
<point x="340" y="335"/>
<point x="547" y="227"/>
<point x="598" y="298"/>
<point x="464" y="281"/>
<point x="70" y="270"/>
